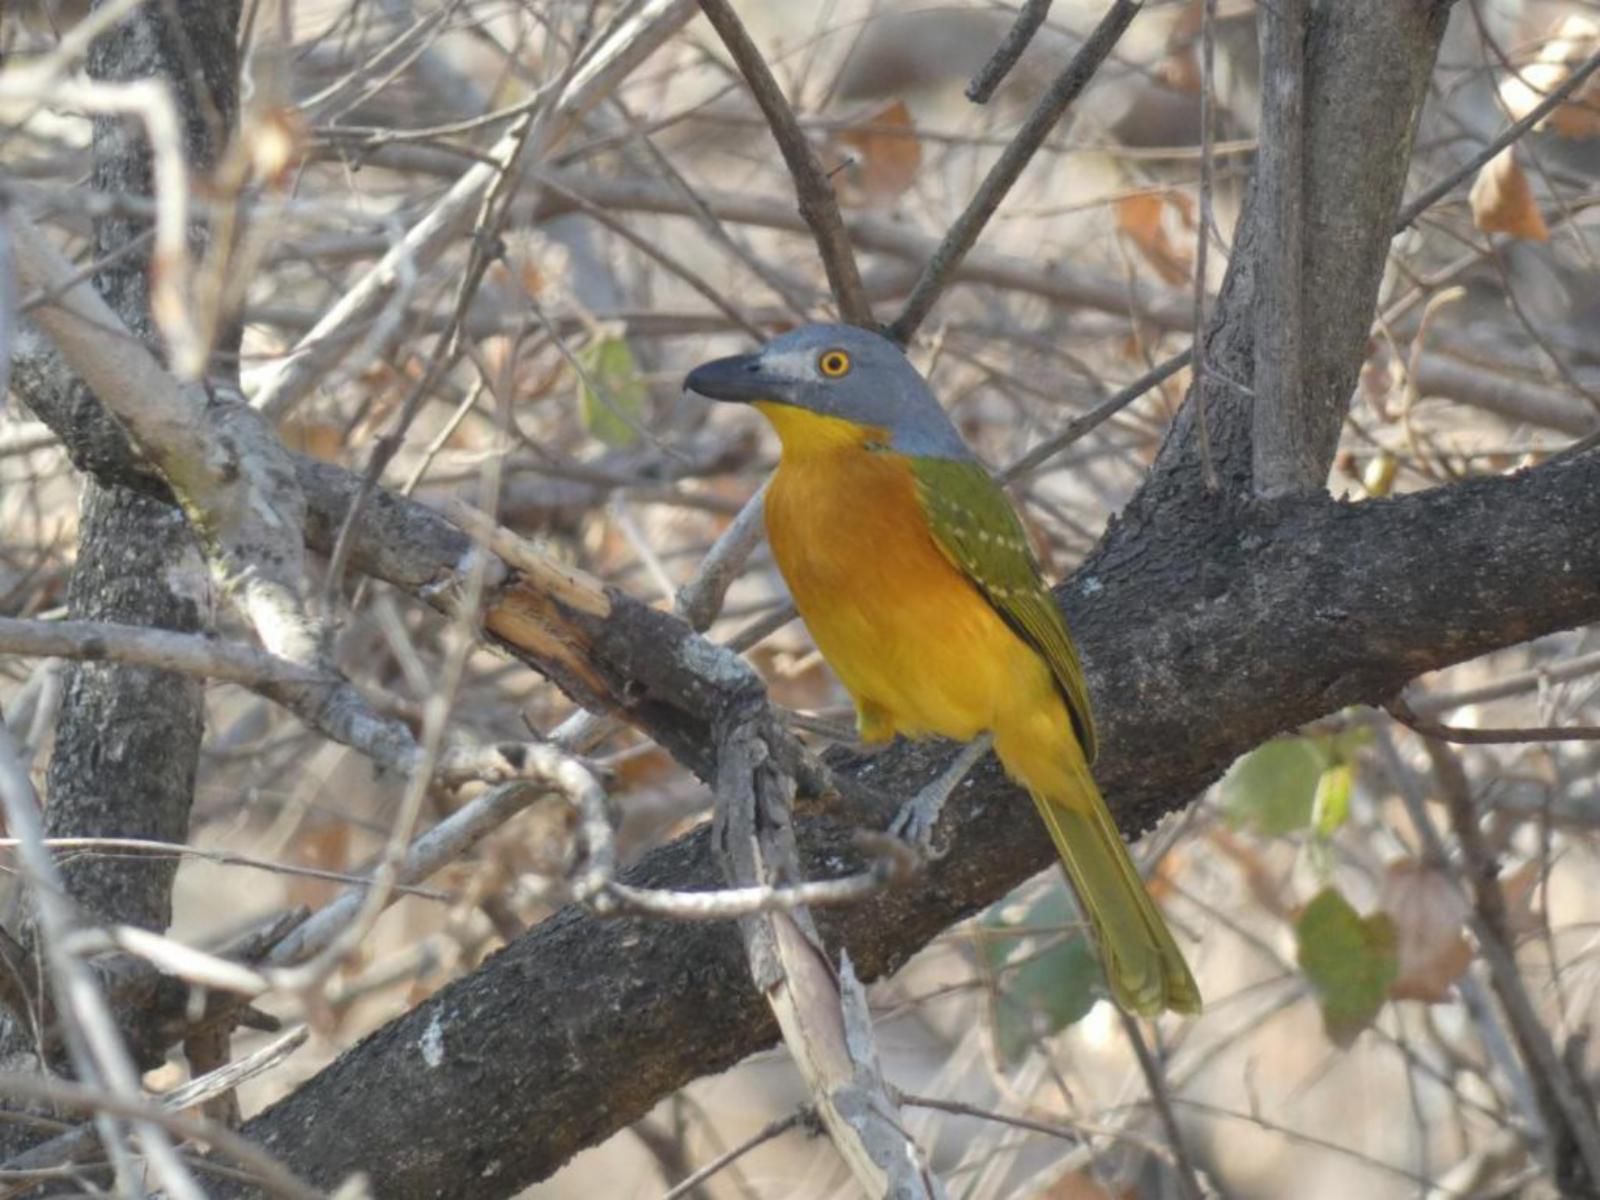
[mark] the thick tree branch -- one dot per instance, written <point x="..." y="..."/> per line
<point x="1195" y="655"/>
<point x="1207" y="625"/>
<point x="1367" y="66"/>
<point x="1285" y="458"/>
<point x="1197" y="648"/>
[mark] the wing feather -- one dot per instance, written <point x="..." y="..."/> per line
<point x="976" y="528"/>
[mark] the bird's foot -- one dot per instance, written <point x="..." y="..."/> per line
<point x="918" y="817"/>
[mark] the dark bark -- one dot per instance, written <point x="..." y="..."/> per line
<point x="1208" y="623"/>
<point x="128" y="740"/>
<point x="1194" y="657"/>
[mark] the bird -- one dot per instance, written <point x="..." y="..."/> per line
<point x="915" y="578"/>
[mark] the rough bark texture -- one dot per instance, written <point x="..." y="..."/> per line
<point x="579" y="1027"/>
<point x="128" y="739"/>
<point x="1207" y="622"/>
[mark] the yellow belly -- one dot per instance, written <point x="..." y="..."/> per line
<point x="916" y="645"/>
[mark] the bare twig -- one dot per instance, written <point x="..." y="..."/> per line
<point x="993" y="72"/>
<point x="636" y="35"/>
<point x="1570" y="1122"/>
<point x="158" y="1126"/>
<point x="803" y="1116"/>
<point x="442" y="844"/>
<point x="1096" y="416"/>
<point x="1558" y="671"/>
<point x="190" y="653"/>
<point x="1188" y="1179"/>
<point x="1438" y="191"/>
<point x="963" y="233"/>
<point x="700" y="600"/>
<point x="656" y="252"/>
<point x="823" y="1016"/>
<point x="78" y="1144"/>
<point x="1468" y="736"/>
<point x="814" y="192"/>
<point x="727" y="903"/>
<point x="145" y="847"/>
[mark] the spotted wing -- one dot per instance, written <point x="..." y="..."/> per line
<point x="976" y="528"/>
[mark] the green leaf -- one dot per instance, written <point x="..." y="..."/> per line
<point x="1349" y="959"/>
<point x="1331" y="803"/>
<point x="1044" y="995"/>
<point x="611" y="395"/>
<point x="1045" y="980"/>
<point x="1272" y="789"/>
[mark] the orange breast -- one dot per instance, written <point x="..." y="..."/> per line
<point x="917" y="646"/>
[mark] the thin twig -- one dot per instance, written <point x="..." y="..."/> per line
<point x="1081" y="425"/>
<point x="1560" y="1103"/>
<point x="632" y="37"/>
<point x="990" y="76"/>
<point x="189" y="653"/>
<point x="1188" y="1178"/>
<point x="1432" y="195"/>
<point x="75" y="1145"/>
<point x="159" y="1125"/>
<point x="1558" y="671"/>
<point x="700" y="600"/>
<point x="727" y="903"/>
<point x="1401" y="711"/>
<point x="802" y="1116"/>
<point x="960" y="238"/>
<point x="818" y="205"/>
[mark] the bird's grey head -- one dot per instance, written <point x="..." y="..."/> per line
<point x="839" y="371"/>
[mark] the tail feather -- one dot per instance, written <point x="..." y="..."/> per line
<point x="1143" y="965"/>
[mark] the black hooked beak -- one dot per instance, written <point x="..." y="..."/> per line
<point x="740" y="379"/>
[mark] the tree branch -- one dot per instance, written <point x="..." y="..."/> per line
<point x="1285" y="456"/>
<point x="1030" y="17"/>
<point x="818" y="206"/>
<point x="962" y="235"/>
<point x="1195" y="655"/>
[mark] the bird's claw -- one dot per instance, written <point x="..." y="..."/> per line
<point x="914" y="825"/>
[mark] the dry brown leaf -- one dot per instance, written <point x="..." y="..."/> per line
<point x="1572" y="43"/>
<point x="1429" y="915"/>
<point x="326" y="847"/>
<point x="307" y="435"/>
<point x="886" y="154"/>
<point x="1502" y="201"/>
<point x="1180" y="70"/>
<point x="1141" y="219"/>
<point x="1078" y="1185"/>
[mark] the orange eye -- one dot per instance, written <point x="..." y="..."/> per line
<point x="834" y="363"/>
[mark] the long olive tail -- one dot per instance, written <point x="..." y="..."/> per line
<point x="1143" y="964"/>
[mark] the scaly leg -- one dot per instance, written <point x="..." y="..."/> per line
<point x="914" y="822"/>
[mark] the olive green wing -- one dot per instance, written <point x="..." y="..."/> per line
<point x="976" y="528"/>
